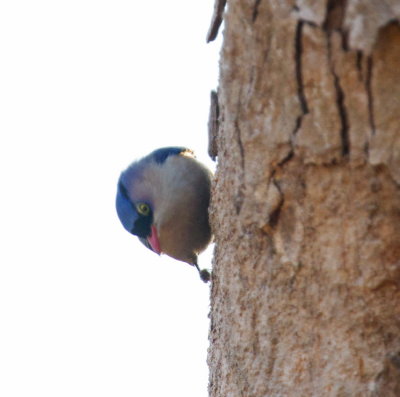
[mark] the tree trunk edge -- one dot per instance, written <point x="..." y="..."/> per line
<point x="305" y="296"/>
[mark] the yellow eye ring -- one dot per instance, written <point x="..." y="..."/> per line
<point x="143" y="209"/>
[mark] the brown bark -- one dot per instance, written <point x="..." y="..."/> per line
<point x="306" y="201"/>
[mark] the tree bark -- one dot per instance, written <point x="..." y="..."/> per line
<point x="305" y="297"/>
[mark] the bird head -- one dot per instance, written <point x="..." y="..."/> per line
<point x="137" y="218"/>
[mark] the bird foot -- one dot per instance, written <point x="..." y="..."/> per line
<point x="205" y="275"/>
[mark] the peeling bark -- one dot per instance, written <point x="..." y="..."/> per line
<point x="213" y="126"/>
<point x="216" y="20"/>
<point x="384" y="145"/>
<point x="305" y="295"/>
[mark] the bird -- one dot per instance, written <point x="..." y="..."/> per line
<point x="163" y="199"/>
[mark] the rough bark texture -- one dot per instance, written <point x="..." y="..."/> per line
<point x="306" y="202"/>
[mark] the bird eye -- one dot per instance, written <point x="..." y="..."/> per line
<point x="143" y="209"/>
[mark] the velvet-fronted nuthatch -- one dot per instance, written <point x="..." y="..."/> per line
<point x="163" y="199"/>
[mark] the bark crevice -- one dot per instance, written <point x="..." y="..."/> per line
<point x="298" y="49"/>
<point x="239" y="197"/>
<point x="340" y="102"/>
<point x="335" y="13"/>
<point x="255" y="10"/>
<point x="274" y="215"/>
<point x="240" y="144"/>
<point x="370" y="98"/>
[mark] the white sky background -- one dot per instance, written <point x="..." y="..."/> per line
<point x="85" y="88"/>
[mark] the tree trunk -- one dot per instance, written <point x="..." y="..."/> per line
<point x="306" y="201"/>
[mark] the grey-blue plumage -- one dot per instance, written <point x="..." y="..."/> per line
<point x="163" y="199"/>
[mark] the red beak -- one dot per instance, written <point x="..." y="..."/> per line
<point x="153" y="240"/>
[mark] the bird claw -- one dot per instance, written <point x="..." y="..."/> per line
<point x="205" y="275"/>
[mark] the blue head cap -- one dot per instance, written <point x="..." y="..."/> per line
<point x="126" y="211"/>
<point x="132" y="221"/>
<point x="160" y="155"/>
